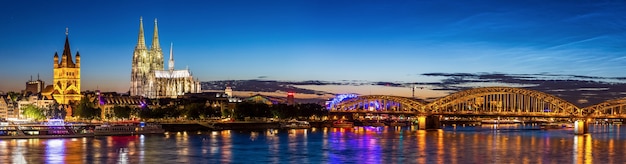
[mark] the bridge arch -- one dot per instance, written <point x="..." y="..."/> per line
<point x="615" y="108"/>
<point x="379" y="104"/>
<point x="508" y="101"/>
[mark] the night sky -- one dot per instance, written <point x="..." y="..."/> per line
<point x="315" y="40"/>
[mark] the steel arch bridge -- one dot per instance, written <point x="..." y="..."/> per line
<point x="379" y="104"/>
<point x="487" y="101"/>
<point x="503" y="101"/>
<point x="609" y="109"/>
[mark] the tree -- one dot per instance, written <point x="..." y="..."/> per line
<point x="247" y="109"/>
<point x="56" y="112"/>
<point x="31" y="111"/>
<point x="122" y="111"/>
<point x="86" y="110"/>
<point x="193" y="110"/>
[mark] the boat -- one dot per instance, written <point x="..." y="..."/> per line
<point x="293" y="124"/>
<point x="550" y="126"/>
<point x="44" y="131"/>
<point x="496" y="121"/>
<point x="128" y="129"/>
<point x="343" y="124"/>
<point x="395" y="123"/>
<point x="377" y="124"/>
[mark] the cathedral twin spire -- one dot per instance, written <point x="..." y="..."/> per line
<point x="155" y="54"/>
<point x="150" y="78"/>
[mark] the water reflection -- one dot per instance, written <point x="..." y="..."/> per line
<point x="54" y="147"/>
<point x="330" y="145"/>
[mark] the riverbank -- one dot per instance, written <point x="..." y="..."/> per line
<point x="205" y="126"/>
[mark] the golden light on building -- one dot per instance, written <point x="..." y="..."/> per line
<point x="66" y="81"/>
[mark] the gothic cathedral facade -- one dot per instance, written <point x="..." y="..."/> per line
<point x="148" y="76"/>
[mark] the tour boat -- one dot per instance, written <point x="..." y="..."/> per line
<point x="293" y="124"/>
<point x="132" y="129"/>
<point x="342" y="124"/>
<point x="43" y="131"/>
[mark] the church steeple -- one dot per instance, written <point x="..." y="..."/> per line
<point x="171" y="62"/>
<point x="141" y="41"/>
<point x="66" y="57"/>
<point x="155" y="37"/>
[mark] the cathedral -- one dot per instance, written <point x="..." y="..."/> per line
<point x="150" y="79"/>
<point x="66" y="81"/>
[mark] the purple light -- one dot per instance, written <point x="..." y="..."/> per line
<point x="142" y="104"/>
<point x="340" y="98"/>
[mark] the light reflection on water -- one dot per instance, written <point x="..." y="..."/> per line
<point x="454" y="145"/>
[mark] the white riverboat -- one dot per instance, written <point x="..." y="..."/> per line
<point x="128" y="129"/>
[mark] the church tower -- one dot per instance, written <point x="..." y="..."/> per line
<point x="66" y="81"/>
<point x="156" y="53"/>
<point x="140" y="65"/>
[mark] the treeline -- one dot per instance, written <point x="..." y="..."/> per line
<point x="193" y="110"/>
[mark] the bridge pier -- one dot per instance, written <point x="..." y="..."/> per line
<point x="581" y="127"/>
<point x="428" y="122"/>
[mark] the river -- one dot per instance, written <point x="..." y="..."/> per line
<point x="451" y="145"/>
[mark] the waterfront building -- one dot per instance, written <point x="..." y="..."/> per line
<point x="12" y="107"/>
<point x="107" y="100"/>
<point x="220" y="100"/>
<point x="148" y="76"/>
<point x="269" y="100"/>
<point x="66" y="83"/>
<point x="6" y="107"/>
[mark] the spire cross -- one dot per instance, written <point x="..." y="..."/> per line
<point x="67" y="31"/>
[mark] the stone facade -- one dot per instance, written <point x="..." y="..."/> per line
<point x="66" y="75"/>
<point x="148" y="76"/>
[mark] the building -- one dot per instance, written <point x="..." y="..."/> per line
<point x="108" y="100"/>
<point x="269" y="100"/>
<point x="6" y="107"/>
<point x="12" y="107"/>
<point x="66" y="83"/>
<point x="291" y="100"/>
<point x="33" y="87"/>
<point x="150" y="79"/>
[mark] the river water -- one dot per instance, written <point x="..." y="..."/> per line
<point x="451" y="145"/>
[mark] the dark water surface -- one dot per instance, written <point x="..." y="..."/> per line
<point x="487" y="144"/>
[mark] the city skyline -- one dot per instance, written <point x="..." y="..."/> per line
<point x="316" y="40"/>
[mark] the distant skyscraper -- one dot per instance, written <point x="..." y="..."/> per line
<point x="66" y="76"/>
<point x="290" y="98"/>
<point x="148" y="77"/>
<point x="35" y="86"/>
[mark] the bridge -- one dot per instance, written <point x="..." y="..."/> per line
<point x="487" y="101"/>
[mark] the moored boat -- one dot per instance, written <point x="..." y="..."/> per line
<point x="132" y="129"/>
<point x="43" y="131"/>
<point x="343" y="124"/>
<point x="550" y="126"/>
<point x="296" y="125"/>
<point x="397" y="124"/>
<point x="497" y="121"/>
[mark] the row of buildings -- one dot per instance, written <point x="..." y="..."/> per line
<point x="149" y="80"/>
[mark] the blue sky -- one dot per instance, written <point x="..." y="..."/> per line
<point x="316" y="40"/>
